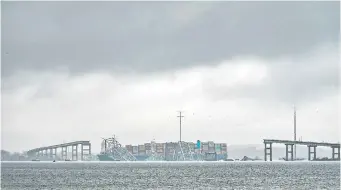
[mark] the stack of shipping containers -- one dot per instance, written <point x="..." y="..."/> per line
<point x="148" y="148"/>
<point x="192" y="146"/>
<point x="224" y="151"/>
<point x="141" y="150"/>
<point x="204" y="147"/>
<point x="197" y="149"/>
<point x="153" y="146"/>
<point x="218" y="148"/>
<point x="167" y="150"/>
<point x="160" y="149"/>
<point x="129" y="148"/>
<point x="135" y="150"/>
<point x="224" y="148"/>
<point x="211" y="148"/>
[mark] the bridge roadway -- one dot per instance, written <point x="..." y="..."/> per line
<point x="311" y="145"/>
<point x="43" y="151"/>
<point x="302" y="142"/>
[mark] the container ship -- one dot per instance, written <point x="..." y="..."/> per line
<point x="112" y="150"/>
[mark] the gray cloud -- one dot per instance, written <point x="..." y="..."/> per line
<point x="123" y="36"/>
<point x="301" y="79"/>
<point x="244" y="63"/>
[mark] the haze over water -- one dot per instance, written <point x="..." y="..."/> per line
<point x="170" y="175"/>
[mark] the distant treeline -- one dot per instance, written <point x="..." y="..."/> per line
<point x="15" y="156"/>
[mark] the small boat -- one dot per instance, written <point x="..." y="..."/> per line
<point x="54" y="161"/>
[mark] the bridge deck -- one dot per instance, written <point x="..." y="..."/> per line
<point x="301" y="142"/>
<point x="59" y="146"/>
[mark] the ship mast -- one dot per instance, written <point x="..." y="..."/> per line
<point x="295" y="131"/>
<point x="180" y="117"/>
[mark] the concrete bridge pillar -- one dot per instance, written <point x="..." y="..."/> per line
<point x="289" y="151"/>
<point x="85" y="151"/>
<point x="82" y="152"/>
<point x="267" y="151"/>
<point x="74" y="152"/>
<point x="38" y="154"/>
<point x="51" y="152"/>
<point x="64" y="152"/>
<point x="311" y="152"/>
<point x="336" y="155"/>
<point x="55" y="153"/>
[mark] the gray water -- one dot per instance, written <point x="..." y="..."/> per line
<point x="199" y="175"/>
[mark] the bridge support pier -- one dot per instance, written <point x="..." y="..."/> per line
<point x="310" y="152"/>
<point x="39" y="154"/>
<point x="337" y="154"/>
<point x="85" y="151"/>
<point x="55" y="153"/>
<point x="64" y="152"/>
<point x="44" y="153"/>
<point x="267" y="151"/>
<point x="51" y="153"/>
<point x="75" y="152"/>
<point x="291" y="152"/>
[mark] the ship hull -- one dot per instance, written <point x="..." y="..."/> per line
<point x="222" y="156"/>
<point x="141" y="158"/>
<point x="106" y="157"/>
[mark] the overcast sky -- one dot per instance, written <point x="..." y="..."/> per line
<point x="85" y="70"/>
